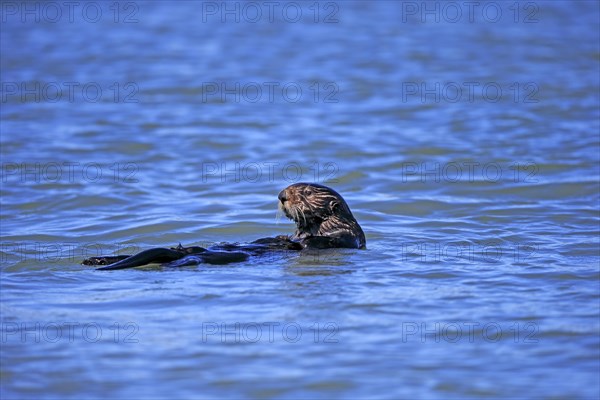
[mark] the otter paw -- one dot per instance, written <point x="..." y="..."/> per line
<point x="103" y="260"/>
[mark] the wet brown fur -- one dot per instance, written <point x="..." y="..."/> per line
<point x="320" y="211"/>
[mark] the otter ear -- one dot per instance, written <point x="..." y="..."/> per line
<point x="334" y="205"/>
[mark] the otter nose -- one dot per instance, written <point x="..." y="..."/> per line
<point x="282" y="196"/>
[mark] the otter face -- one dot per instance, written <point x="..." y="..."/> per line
<point x="310" y="205"/>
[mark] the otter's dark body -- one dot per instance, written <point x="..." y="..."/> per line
<point x="323" y="220"/>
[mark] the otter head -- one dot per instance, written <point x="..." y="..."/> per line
<point x="319" y="211"/>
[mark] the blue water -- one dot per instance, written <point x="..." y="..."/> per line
<point x="464" y="140"/>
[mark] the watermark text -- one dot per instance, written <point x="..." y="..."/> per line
<point x="469" y="171"/>
<point x="70" y="92"/>
<point x="453" y="332"/>
<point x="269" y="92"/>
<point x="469" y="92"/>
<point x="270" y="11"/>
<point x="269" y="172"/>
<point x="269" y="332"/>
<point x="69" y="11"/>
<point x="68" y="172"/>
<point x="453" y="12"/>
<point x="52" y="332"/>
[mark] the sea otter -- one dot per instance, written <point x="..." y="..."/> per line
<point x="323" y="220"/>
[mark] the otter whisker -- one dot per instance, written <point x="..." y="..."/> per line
<point x="304" y="217"/>
<point x="293" y="213"/>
